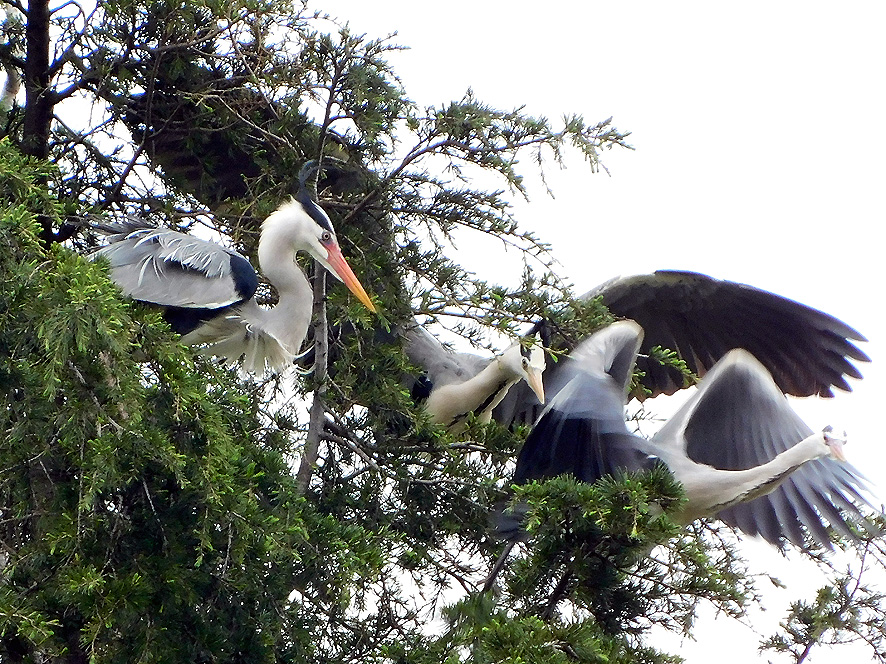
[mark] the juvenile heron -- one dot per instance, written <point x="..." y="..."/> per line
<point x="207" y="291"/>
<point x="456" y="385"/>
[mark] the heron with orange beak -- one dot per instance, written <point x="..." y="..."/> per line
<point x="208" y="291"/>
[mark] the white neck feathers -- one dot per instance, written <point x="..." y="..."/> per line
<point x="709" y="490"/>
<point x="484" y="391"/>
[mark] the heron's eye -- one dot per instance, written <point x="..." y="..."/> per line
<point x="325" y="237"/>
<point x="525" y="363"/>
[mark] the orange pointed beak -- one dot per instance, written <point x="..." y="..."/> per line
<point x="343" y="272"/>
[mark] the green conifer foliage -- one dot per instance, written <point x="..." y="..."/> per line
<point x="156" y="507"/>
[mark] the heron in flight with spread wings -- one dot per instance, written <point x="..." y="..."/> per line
<point x="807" y="351"/>
<point x="739" y="450"/>
<point x="208" y="291"/>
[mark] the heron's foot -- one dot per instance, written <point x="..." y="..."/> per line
<point x="304" y="354"/>
<point x="304" y="362"/>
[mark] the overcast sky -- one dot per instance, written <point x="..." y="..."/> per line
<point x="760" y="136"/>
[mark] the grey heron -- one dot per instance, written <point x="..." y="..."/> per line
<point x="456" y="385"/>
<point x="207" y="291"/>
<point x="739" y="450"/>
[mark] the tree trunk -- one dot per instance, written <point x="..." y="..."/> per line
<point x="38" y="102"/>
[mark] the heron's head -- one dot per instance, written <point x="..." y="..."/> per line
<point x="834" y="443"/>
<point x="303" y="224"/>
<point x="526" y="363"/>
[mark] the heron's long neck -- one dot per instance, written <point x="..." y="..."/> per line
<point x="709" y="490"/>
<point x="481" y="393"/>
<point x="288" y="321"/>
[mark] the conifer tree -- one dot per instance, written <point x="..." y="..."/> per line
<point x="158" y="507"/>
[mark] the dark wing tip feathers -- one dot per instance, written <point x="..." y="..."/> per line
<point x="807" y="351"/>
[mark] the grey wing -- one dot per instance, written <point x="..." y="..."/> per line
<point x="807" y="351"/>
<point x="173" y="269"/>
<point x="612" y="351"/>
<point x="823" y="488"/>
<point x="441" y="365"/>
<point x="582" y="430"/>
<point x="739" y="419"/>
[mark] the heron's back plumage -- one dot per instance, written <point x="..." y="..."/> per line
<point x="207" y="294"/>
<point x="172" y="269"/>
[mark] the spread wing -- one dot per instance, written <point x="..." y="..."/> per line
<point x="739" y="419"/>
<point x="808" y="352"/>
<point x="582" y="430"/>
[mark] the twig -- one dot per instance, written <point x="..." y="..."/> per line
<point x="345" y="440"/>
<point x="318" y="407"/>
<point x="558" y="594"/>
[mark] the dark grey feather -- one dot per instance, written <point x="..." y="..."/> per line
<point x="808" y="352"/>
<point x="738" y="419"/>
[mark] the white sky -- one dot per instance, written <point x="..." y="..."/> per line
<point x="760" y="136"/>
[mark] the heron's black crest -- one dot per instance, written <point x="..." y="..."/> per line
<point x="308" y="171"/>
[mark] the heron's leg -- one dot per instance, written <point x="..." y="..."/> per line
<point x="497" y="567"/>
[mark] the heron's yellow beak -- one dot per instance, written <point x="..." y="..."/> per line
<point x="533" y="377"/>
<point x="343" y="271"/>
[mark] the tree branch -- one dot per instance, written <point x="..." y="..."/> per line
<point x="318" y="407"/>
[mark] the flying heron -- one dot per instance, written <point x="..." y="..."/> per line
<point x="737" y="447"/>
<point x="807" y="351"/>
